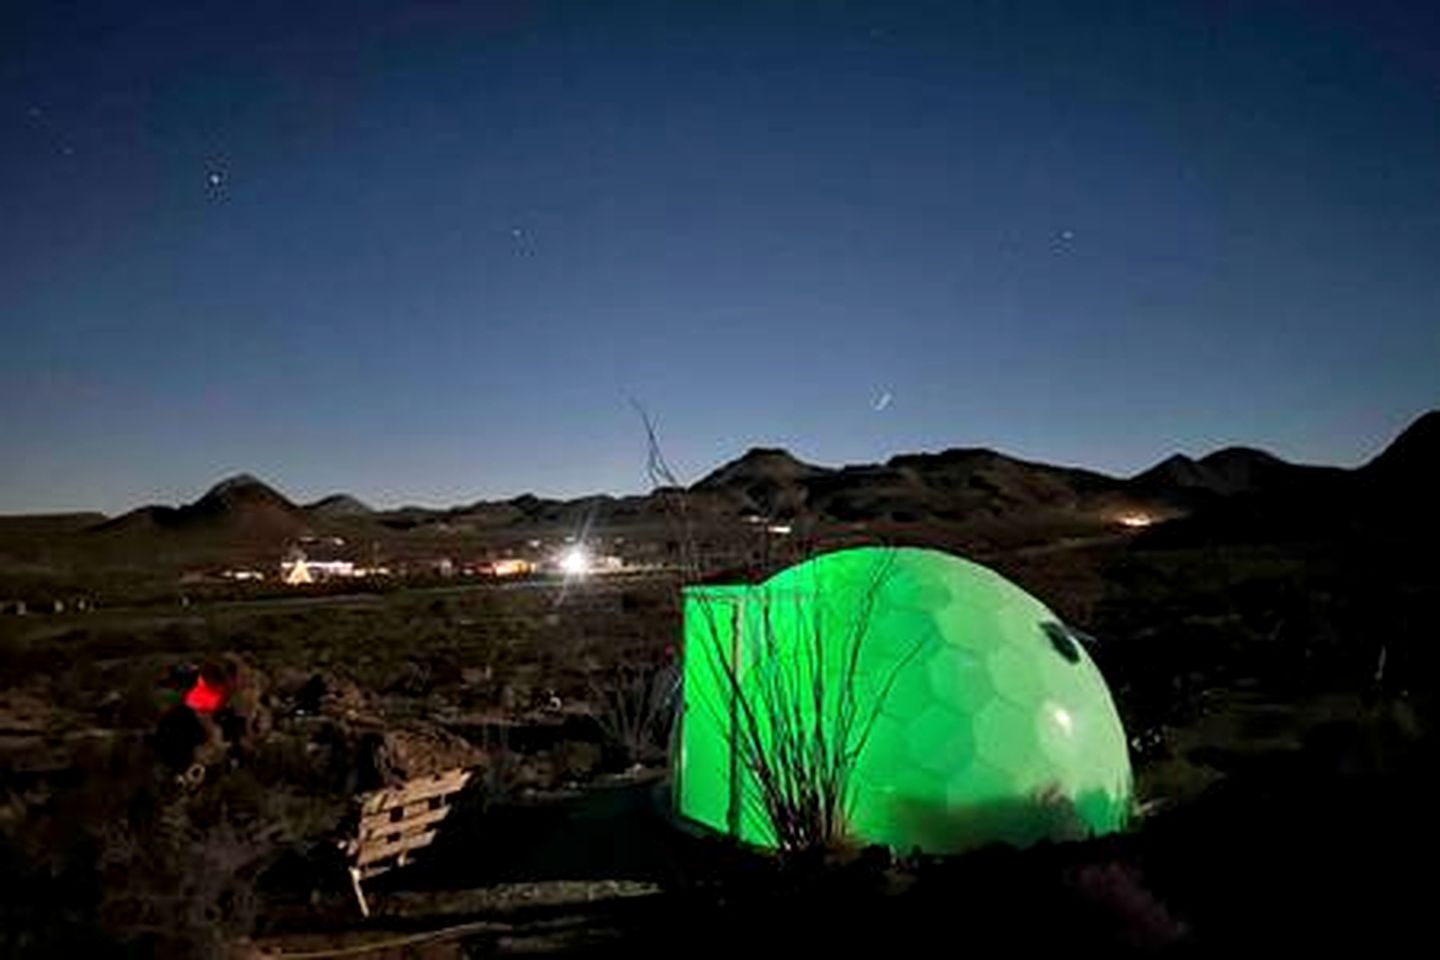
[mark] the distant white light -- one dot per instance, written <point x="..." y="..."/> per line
<point x="215" y="178"/>
<point x="1135" y="520"/>
<point x="575" y="562"/>
<point x="779" y="529"/>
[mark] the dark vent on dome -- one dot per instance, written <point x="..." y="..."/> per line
<point x="1061" y="640"/>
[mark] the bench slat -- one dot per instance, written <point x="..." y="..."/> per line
<point x="381" y="825"/>
<point x="369" y="853"/>
<point x="413" y="790"/>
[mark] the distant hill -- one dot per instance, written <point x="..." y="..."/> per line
<point x="762" y="480"/>
<point x="240" y="506"/>
<point x="1400" y="487"/>
<point x="956" y="485"/>
<point x="337" y="506"/>
<point x="1411" y="463"/>
<point x="1230" y="472"/>
<point x="1235" y="492"/>
<point x="759" y="465"/>
<point x="1249" y="496"/>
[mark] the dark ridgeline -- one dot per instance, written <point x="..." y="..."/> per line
<point x="969" y="498"/>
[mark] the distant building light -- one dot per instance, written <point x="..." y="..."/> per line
<point x="575" y="562"/>
<point x="301" y="571"/>
<point x="295" y="572"/>
<point x="1135" y="520"/>
<point x="607" y="563"/>
<point x="512" y="567"/>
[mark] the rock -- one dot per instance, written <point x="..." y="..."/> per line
<point x="398" y="755"/>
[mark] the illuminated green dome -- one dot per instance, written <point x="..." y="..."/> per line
<point x="976" y="717"/>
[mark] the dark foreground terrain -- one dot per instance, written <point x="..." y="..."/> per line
<point x="1271" y="650"/>
<point x="1279" y="697"/>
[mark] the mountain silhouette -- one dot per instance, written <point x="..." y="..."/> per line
<point x="239" y="505"/>
<point x="1235" y="492"/>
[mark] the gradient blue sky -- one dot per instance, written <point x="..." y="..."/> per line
<point x="448" y="241"/>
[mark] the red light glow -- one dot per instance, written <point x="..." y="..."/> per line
<point x="203" y="698"/>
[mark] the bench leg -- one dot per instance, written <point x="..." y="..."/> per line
<point x="359" y="893"/>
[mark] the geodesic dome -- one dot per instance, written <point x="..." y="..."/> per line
<point x="974" y="715"/>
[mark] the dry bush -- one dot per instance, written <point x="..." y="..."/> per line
<point x="635" y="704"/>
<point x="798" y="724"/>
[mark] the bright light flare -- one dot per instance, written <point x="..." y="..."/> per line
<point x="575" y="562"/>
<point x="1063" y="719"/>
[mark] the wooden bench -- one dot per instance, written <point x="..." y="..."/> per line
<point x="397" y="821"/>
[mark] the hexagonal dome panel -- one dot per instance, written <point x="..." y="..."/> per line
<point x="1015" y="675"/>
<point x="959" y="678"/>
<point x="1005" y="736"/>
<point x="939" y="740"/>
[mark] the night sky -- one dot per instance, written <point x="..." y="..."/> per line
<point x="430" y="252"/>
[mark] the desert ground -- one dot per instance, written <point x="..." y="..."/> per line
<point x="1272" y="661"/>
<point x="1279" y="768"/>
